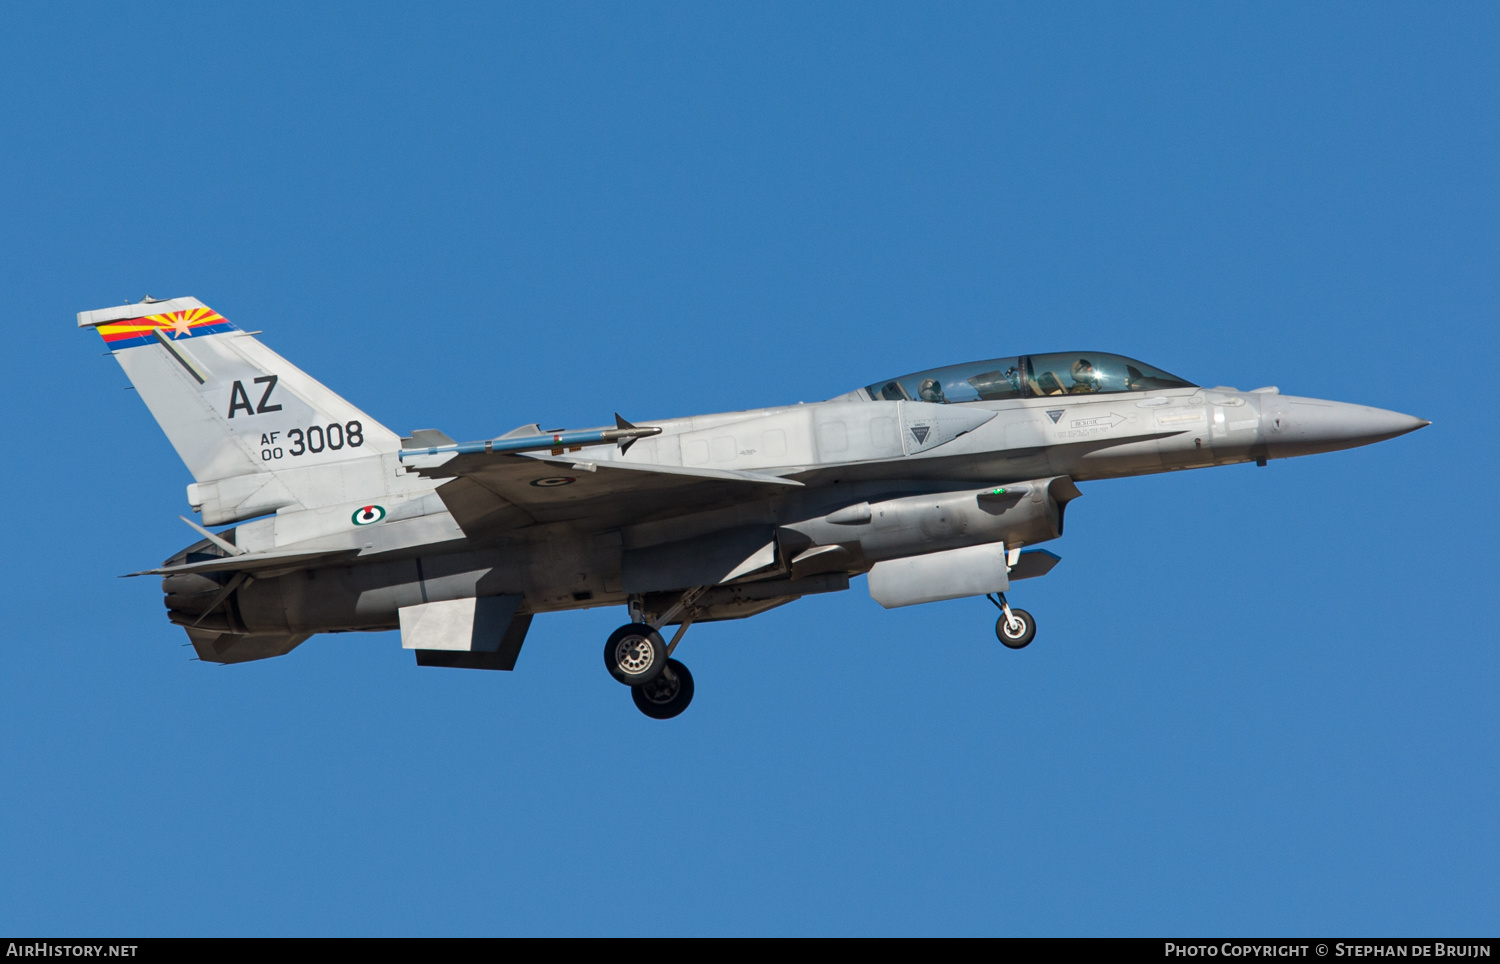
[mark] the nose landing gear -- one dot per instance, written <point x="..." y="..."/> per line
<point x="635" y="654"/>
<point x="1016" y="628"/>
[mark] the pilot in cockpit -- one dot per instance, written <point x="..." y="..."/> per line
<point x="1085" y="378"/>
<point x="931" y="390"/>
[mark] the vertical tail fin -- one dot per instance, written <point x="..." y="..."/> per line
<point x="256" y="432"/>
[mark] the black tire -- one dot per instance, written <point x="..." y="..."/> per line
<point x="667" y="695"/>
<point x="1012" y="639"/>
<point x="635" y="654"/>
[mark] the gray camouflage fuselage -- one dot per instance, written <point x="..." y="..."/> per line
<point x="937" y="484"/>
<point x="844" y="452"/>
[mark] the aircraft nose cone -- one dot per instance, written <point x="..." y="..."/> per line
<point x="1314" y="425"/>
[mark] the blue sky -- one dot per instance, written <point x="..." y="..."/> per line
<point x="1262" y="701"/>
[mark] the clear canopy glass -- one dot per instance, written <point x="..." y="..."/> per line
<point x="1027" y="376"/>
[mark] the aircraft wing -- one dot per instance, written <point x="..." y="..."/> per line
<point x="490" y="493"/>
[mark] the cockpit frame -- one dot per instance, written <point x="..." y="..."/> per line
<point x="1026" y="376"/>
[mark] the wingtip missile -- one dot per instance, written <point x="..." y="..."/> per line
<point x="624" y="434"/>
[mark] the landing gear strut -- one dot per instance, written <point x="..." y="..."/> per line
<point x="636" y="655"/>
<point x="1015" y="628"/>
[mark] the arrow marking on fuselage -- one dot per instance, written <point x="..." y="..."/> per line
<point x="1101" y="421"/>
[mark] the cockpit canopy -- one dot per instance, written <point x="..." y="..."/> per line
<point x="1027" y="376"/>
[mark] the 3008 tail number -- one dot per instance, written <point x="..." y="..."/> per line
<point x="317" y="438"/>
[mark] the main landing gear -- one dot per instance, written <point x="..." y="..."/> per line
<point x="667" y="695"/>
<point x="1015" y="628"/>
<point x="636" y="655"/>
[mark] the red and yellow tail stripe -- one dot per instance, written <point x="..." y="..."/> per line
<point x="174" y="325"/>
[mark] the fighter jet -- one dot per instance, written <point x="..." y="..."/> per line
<point x="935" y="485"/>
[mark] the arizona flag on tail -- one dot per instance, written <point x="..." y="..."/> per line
<point x="174" y="325"/>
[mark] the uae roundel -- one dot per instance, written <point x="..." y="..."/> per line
<point x="367" y="515"/>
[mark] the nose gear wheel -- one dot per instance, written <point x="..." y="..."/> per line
<point x="1016" y="628"/>
<point x="1018" y="631"/>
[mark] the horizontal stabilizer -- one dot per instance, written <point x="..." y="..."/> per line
<point x="248" y="562"/>
<point x="426" y="438"/>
